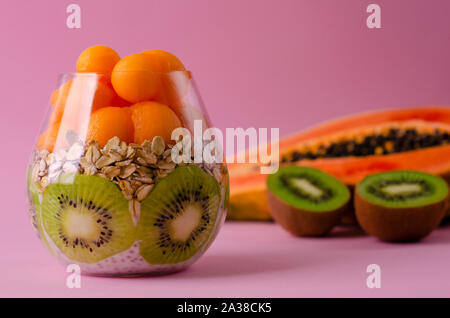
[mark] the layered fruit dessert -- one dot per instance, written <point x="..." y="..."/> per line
<point x="105" y="191"/>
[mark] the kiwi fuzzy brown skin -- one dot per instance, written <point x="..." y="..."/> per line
<point x="399" y="224"/>
<point x="301" y="222"/>
<point x="446" y="177"/>
<point x="348" y="216"/>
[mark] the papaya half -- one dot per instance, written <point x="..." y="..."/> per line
<point x="351" y="148"/>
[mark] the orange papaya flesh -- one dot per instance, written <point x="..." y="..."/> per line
<point x="438" y="114"/>
<point x="428" y="151"/>
<point x="351" y="170"/>
<point x="371" y="146"/>
<point x="429" y="114"/>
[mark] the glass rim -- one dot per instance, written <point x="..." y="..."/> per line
<point x="137" y="71"/>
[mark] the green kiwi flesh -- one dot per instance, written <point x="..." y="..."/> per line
<point x="178" y="216"/>
<point x="34" y="202"/>
<point x="34" y="205"/>
<point x="87" y="218"/>
<point x="226" y="198"/>
<point x="306" y="201"/>
<point x="401" y="205"/>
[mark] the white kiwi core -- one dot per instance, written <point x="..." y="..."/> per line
<point x="306" y="186"/>
<point x="405" y="188"/>
<point x="182" y="226"/>
<point x="79" y="224"/>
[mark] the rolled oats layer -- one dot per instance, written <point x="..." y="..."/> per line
<point x="134" y="168"/>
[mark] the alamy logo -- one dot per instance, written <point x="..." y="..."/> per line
<point x="374" y="279"/>
<point x="74" y="279"/>
<point x="374" y="19"/>
<point x="73" y="20"/>
<point x="207" y="146"/>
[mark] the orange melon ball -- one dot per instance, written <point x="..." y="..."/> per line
<point x="109" y="122"/>
<point x="164" y="61"/>
<point x="59" y="96"/>
<point x="120" y="102"/>
<point x="152" y="119"/>
<point x="58" y="101"/>
<point x="98" y="59"/>
<point x="174" y="91"/>
<point x="134" y="78"/>
<point x="104" y="96"/>
<point x="48" y="138"/>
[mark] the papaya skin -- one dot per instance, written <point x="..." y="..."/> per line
<point x="300" y="222"/>
<point x="399" y="224"/>
<point x="249" y="206"/>
<point x="349" y="217"/>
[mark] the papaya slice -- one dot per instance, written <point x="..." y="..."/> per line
<point x="437" y="114"/>
<point x="350" y="149"/>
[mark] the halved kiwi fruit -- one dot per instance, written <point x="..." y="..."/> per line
<point x="87" y="218"/>
<point x="306" y="201"/>
<point x="401" y="205"/>
<point x="178" y="216"/>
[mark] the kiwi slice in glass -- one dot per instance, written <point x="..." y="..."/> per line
<point x="87" y="218"/>
<point x="34" y="207"/>
<point x="306" y="201"/>
<point x="34" y="202"/>
<point x="178" y="217"/>
<point x="401" y="205"/>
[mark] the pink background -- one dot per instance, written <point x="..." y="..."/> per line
<point x="286" y="64"/>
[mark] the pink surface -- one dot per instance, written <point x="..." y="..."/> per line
<point x="285" y="64"/>
<point x="257" y="260"/>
